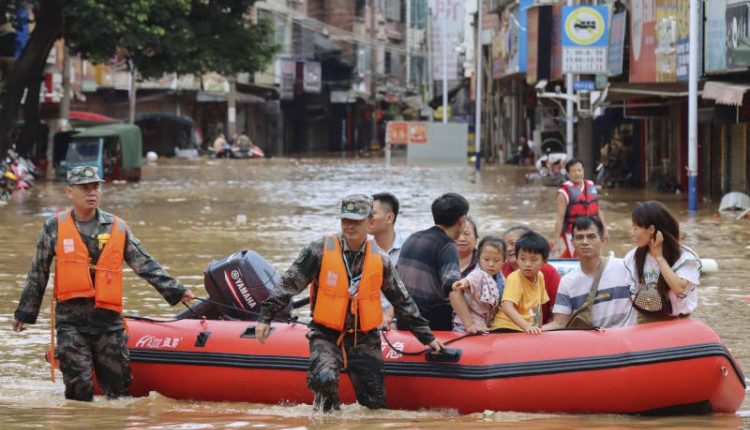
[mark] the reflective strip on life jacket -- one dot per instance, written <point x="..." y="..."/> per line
<point x="73" y="265"/>
<point x="332" y="295"/>
<point x="580" y="203"/>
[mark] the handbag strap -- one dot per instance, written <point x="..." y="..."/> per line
<point x="594" y="286"/>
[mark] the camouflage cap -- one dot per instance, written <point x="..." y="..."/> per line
<point x="356" y="207"/>
<point x="83" y="175"/>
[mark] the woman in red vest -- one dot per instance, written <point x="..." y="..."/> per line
<point x="576" y="197"/>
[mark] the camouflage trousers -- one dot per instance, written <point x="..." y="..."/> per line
<point x="364" y="366"/>
<point x="82" y="355"/>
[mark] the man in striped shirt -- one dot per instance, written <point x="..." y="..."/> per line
<point x="612" y="305"/>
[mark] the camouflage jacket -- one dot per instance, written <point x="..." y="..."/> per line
<point x="306" y="269"/>
<point x="81" y="313"/>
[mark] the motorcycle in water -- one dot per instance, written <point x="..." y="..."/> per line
<point x="24" y="170"/>
<point x="8" y="181"/>
<point x="16" y="173"/>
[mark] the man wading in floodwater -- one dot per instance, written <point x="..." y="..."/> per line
<point x="89" y="247"/>
<point x="348" y="273"/>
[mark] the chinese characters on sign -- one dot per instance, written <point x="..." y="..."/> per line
<point x="584" y="39"/>
<point x="406" y="132"/>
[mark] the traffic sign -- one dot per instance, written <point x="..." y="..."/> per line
<point x="585" y="35"/>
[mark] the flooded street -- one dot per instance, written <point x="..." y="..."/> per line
<point x="188" y="213"/>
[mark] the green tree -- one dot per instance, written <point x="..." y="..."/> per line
<point x="157" y="36"/>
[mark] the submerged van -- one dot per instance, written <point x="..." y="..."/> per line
<point x="114" y="148"/>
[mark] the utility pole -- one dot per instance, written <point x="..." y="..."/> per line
<point x="569" y="109"/>
<point x="232" y="107"/>
<point x="65" y="101"/>
<point x="131" y="92"/>
<point x="430" y="76"/>
<point x="693" y="107"/>
<point x="373" y="87"/>
<point x="444" y="30"/>
<point x="478" y="73"/>
<point x="408" y="43"/>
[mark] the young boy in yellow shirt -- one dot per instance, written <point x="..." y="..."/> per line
<point x="524" y="294"/>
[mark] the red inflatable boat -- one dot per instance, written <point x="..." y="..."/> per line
<point x="672" y="367"/>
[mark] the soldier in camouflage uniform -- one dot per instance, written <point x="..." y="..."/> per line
<point x="331" y="350"/>
<point x="89" y="338"/>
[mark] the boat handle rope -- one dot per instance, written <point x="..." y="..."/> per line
<point x="448" y="342"/>
<point x="481" y="333"/>
<point x="290" y="320"/>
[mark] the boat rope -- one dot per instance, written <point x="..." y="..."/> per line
<point x="401" y="351"/>
<point x="291" y="319"/>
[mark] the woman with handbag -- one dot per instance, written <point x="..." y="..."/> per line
<point x="662" y="274"/>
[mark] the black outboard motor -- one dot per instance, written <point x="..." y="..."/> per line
<point x="242" y="282"/>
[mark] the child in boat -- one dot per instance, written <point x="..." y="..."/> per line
<point x="524" y="293"/>
<point x="481" y="289"/>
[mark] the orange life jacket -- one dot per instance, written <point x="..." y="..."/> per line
<point x="332" y="295"/>
<point x="72" y="267"/>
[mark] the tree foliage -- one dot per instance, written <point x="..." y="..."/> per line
<point x="158" y="36"/>
<point x="169" y="36"/>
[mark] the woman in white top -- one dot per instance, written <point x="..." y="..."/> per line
<point x="660" y="261"/>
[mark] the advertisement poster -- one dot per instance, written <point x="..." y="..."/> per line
<point x="500" y="47"/>
<point x="666" y="40"/>
<point x="616" y="44"/>
<point x="716" y="37"/>
<point x="406" y="132"/>
<point x="397" y="133"/>
<point x="539" y="31"/>
<point x="737" y="24"/>
<point x="532" y="31"/>
<point x="643" y="41"/>
<point x="556" y="67"/>
<point x="520" y="21"/>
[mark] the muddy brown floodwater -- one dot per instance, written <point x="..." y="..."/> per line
<point x="187" y="213"/>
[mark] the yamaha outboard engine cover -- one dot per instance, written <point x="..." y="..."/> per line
<point x="242" y="282"/>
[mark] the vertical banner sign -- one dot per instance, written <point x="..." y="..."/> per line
<point x="738" y="33"/>
<point x="716" y="36"/>
<point x="643" y="41"/>
<point x="500" y="47"/>
<point x="418" y="132"/>
<point x="313" y="80"/>
<point x="519" y="23"/>
<point x="397" y="132"/>
<point x="585" y="36"/>
<point x="556" y="66"/>
<point x="539" y="32"/>
<point x="288" y="71"/>
<point x="447" y="25"/>
<point x="666" y="40"/>
<point x="532" y="31"/>
<point x="616" y="44"/>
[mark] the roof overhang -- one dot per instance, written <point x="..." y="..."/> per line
<point x="725" y="93"/>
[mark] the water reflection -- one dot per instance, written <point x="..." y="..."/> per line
<point x="188" y="213"/>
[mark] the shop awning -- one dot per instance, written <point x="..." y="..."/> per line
<point x="725" y="93"/>
<point x="626" y="90"/>
<point x="242" y="98"/>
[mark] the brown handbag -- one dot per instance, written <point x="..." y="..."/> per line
<point x="650" y="300"/>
